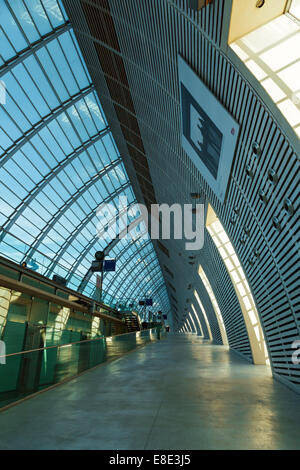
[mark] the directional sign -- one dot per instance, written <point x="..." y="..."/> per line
<point x="109" y="265"/>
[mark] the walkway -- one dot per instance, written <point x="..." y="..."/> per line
<point x="178" y="393"/>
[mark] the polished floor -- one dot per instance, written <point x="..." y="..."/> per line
<point x="179" y="393"/>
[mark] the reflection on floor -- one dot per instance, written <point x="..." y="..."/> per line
<point x="179" y="393"/>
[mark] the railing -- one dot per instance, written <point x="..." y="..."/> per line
<point x="27" y="372"/>
<point x="14" y="249"/>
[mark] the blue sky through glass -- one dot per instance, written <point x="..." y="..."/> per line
<point x="58" y="159"/>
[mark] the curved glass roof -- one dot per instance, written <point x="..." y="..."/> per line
<point x="59" y="161"/>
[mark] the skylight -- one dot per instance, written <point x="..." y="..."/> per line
<point x="59" y="161"/>
<point x="271" y="53"/>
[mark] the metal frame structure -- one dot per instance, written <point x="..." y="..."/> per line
<point x="58" y="159"/>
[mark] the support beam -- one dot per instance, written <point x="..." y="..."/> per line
<point x="68" y="241"/>
<point x="34" y="47"/>
<point x="47" y="179"/>
<point x="109" y="247"/>
<point x="25" y="138"/>
<point x="42" y="235"/>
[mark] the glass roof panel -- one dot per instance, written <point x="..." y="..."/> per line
<point x="59" y="161"/>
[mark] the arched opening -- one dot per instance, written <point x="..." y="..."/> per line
<point x="241" y="286"/>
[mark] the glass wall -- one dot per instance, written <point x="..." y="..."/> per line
<point x="59" y="161"/>
<point x="44" y="343"/>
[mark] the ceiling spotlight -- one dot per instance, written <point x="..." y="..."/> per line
<point x="276" y="223"/>
<point x="288" y="206"/>
<point x="249" y="171"/>
<point x="273" y="177"/>
<point x="243" y="239"/>
<point x="263" y="197"/>
<point x="247" y="230"/>
<point x="256" y="149"/>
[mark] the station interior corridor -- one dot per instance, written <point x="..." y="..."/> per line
<point x="179" y="393"/>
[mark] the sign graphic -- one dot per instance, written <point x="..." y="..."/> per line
<point x="201" y="133"/>
<point x="109" y="265"/>
<point x="209" y="132"/>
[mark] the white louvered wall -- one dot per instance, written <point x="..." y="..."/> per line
<point x="151" y="33"/>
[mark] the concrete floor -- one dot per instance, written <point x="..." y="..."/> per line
<point x="179" y="393"/>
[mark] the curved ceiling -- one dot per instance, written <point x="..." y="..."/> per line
<point x="59" y="161"/>
<point x="131" y="50"/>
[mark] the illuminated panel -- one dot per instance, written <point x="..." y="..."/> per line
<point x="189" y="325"/>
<point x="204" y="313"/>
<point x="95" y="327"/>
<point x="191" y="319"/>
<point x="214" y="303"/>
<point x="61" y="321"/>
<point x="238" y="278"/>
<point x="5" y="295"/>
<point x="295" y="9"/>
<point x="197" y="318"/>
<point x="271" y="53"/>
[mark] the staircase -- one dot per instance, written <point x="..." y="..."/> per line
<point x="131" y="322"/>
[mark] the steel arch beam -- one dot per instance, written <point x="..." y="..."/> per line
<point x="157" y="289"/>
<point x="154" y="279"/>
<point x="89" y="246"/>
<point x="139" y="273"/>
<point x="150" y="268"/>
<point x="133" y="242"/>
<point x="11" y="220"/>
<point x="127" y="230"/>
<point x="127" y="261"/>
<point x="161" y="296"/>
<point x="68" y="204"/>
<point x="138" y="290"/>
<point x="89" y="272"/>
<point x="34" y="47"/>
<point x="68" y="241"/>
<point x="161" y="286"/>
<point x="127" y="247"/>
<point x="25" y="138"/>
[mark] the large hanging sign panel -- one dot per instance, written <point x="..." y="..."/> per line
<point x="198" y="4"/>
<point x="209" y="132"/>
